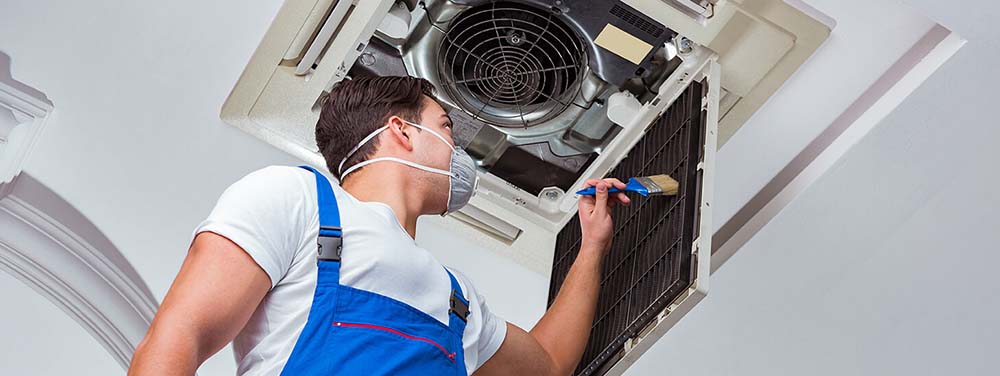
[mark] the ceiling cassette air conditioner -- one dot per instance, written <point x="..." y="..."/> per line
<point x="545" y="94"/>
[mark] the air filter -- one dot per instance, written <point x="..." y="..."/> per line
<point x="650" y="264"/>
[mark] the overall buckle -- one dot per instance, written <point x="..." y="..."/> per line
<point x="459" y="306"/>
<point x="329" y="247"/>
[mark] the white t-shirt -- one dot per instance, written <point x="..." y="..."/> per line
<point x="272" y="214"/>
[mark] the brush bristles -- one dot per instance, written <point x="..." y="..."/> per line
<point x="662" y="185"/>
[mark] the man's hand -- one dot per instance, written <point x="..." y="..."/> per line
<point x="595" y="214"/>
<point x="555" y="345"/>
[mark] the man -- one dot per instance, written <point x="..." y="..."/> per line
<point x="376" y="303"/>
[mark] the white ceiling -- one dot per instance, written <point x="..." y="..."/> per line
<point x="885" y="266"/>
<point x="862" y="45"/>
<point x="40" y="339"/>
<point x="838" y="282"/>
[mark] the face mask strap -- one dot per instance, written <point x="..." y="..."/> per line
<point x="394" y="159"/>
<point x="364" y="141"/>
<point x="447" y="203"/>
<point x="440" y="137"/>
<point x="370" y="136"/>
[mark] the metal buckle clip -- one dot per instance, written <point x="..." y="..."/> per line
<point x="458" y="306"/>
<point x="328" y="248"/>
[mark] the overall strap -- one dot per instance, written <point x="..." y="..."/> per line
<point x="458" y="311"/>
<point x="330" y="241"/>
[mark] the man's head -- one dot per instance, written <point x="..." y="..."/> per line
<point x="356" y="108"/>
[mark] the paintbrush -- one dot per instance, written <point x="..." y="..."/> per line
<point x="656" y="185"/>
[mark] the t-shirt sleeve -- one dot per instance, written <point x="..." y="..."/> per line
<point x="491" y="336"/>
<point x="481" y="342"/>
<point x="263" y="213"/>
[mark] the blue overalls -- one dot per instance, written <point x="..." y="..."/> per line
<point x="357" y="332"/>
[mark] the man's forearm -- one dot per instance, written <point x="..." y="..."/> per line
<point x="156" y="356"/>
<point x="564" y="329"/>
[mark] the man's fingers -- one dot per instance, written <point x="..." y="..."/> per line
<point x="606" y="201"/>
<point x="601" y="198"/>
<point x="622" y="198"/>
<point x="590" y="183"/>
<point x="615" y="182"/>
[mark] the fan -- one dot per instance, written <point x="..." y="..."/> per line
<point x="511" y="65"/>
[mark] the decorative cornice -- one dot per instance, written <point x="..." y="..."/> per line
<point x="30" y="112"/>
<point x="54" y="249"/>
<point x="47" y="244"/>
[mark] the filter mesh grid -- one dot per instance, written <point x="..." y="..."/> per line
<point x="650" y="262"/>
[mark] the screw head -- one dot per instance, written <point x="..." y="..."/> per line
<point x="684" y="45"/>
<point x="515" y="37"/>
<point x="367" y="59"/>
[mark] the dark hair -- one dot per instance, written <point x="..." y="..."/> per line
<point x="356" y="108"/>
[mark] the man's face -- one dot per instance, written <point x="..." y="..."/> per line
<point x="434" y="153"/>
<point x="429" y="146"/>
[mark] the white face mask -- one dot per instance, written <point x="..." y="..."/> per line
<point x="462" y="175"/>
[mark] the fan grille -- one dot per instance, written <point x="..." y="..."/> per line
<point x="510" y="64"/>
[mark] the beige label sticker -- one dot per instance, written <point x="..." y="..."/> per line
<point x="623" y="44"/>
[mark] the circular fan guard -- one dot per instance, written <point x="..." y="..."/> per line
<point x="511" y="65"/>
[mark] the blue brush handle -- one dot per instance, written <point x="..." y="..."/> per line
<point x="632" y="186"/>
<point x="593" y="191"/>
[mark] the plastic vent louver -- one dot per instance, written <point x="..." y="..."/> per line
<point x="628" y="16"/>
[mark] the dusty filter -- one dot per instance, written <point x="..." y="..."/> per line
<point x="650" y="262"/>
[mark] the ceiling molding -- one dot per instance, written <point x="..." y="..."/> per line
<point x="929" y="53"/>
<point x="28" y="111"/>
<point x="55" y="250"/>
<point x="52" y="248"/>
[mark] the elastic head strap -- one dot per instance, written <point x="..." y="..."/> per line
<point x="394" y="159"/>
<point x="369" y="137"/>
<point x="440" y="137"/>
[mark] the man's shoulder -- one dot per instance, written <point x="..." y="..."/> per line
<point x="275" y="179"/>
<point x="271" y="187"/>
<point x="463" y="281"/>
<point x="279" y="172"/>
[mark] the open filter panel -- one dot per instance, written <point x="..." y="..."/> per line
<point x="650" y="264"/>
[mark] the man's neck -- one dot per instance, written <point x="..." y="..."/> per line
<point x="387" y="183"/>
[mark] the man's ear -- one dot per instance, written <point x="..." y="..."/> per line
<point x="400" y="132"/>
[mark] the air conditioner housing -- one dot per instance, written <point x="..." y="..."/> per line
<point x="735" y="53"/>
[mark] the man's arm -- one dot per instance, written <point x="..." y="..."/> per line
<point x="556" y="343"/>
<point x="217" y="289"/>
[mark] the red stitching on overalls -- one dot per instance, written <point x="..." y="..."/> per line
<point x="451" y="356"/>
